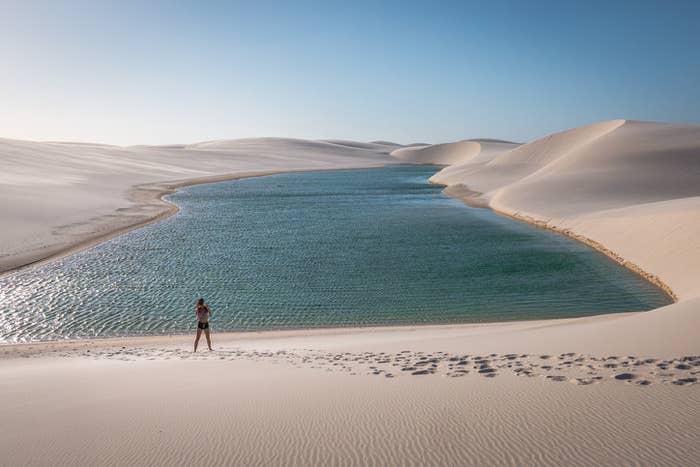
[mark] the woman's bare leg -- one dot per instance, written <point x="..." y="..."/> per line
<point x="208" y="336"/>
<point x="196" y="340"/>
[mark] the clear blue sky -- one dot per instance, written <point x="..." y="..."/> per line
<point x="164" y="72"/>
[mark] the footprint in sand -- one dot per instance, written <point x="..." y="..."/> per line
<point x="455" y="375"/>
<point x="594" y="379"/>
<point x="684" y="381"/>
<point x="557" y="378"/>
<point x="625" y="376"/>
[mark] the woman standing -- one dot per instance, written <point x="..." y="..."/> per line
<point x="203" y="313"/>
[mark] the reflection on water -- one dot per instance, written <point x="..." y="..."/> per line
<point x="344" y="248"/>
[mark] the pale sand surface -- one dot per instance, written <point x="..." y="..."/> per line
<point x="324" y="398"/>
<point x="511" y="393"/>
<point x="474" y="150"/>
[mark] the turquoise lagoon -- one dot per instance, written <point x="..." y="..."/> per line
<point x="321" y="249"/>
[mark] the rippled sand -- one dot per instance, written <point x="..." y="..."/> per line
<point x="346" y="397"/>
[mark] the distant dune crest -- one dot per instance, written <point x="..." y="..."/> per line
<point x="453" y="153"/>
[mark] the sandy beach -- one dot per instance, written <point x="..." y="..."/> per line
<point x="617" y="389"/>
<point x="344" y="397"/>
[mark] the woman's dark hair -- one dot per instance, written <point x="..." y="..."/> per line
<point x="200" y="301"/>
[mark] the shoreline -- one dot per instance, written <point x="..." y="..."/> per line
<point x="473" y="199"/>
<point x="147" y="196"/>
<point x="542" y="224"/>
<point x="273" y="333"/>
<point x="142" y="196"/>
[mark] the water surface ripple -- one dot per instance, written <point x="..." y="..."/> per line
<point x="342" y="248"/>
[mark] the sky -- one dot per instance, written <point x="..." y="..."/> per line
<point x="133" y="72"/>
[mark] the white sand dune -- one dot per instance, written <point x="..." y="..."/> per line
<point x="453" y="153"/>
<point x="523" y="160"/>
<point x="617" y="389"/>
<point x="62" y="195"/>
<point x="631" y="187"/>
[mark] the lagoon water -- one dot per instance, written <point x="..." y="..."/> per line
<point x="341" y="248"/>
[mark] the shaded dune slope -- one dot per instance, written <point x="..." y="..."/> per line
<point x="453" y="153"/>
<point x="383" y="147"/>
<point x="517" y="162"/>
<point x="636" y="163"/>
